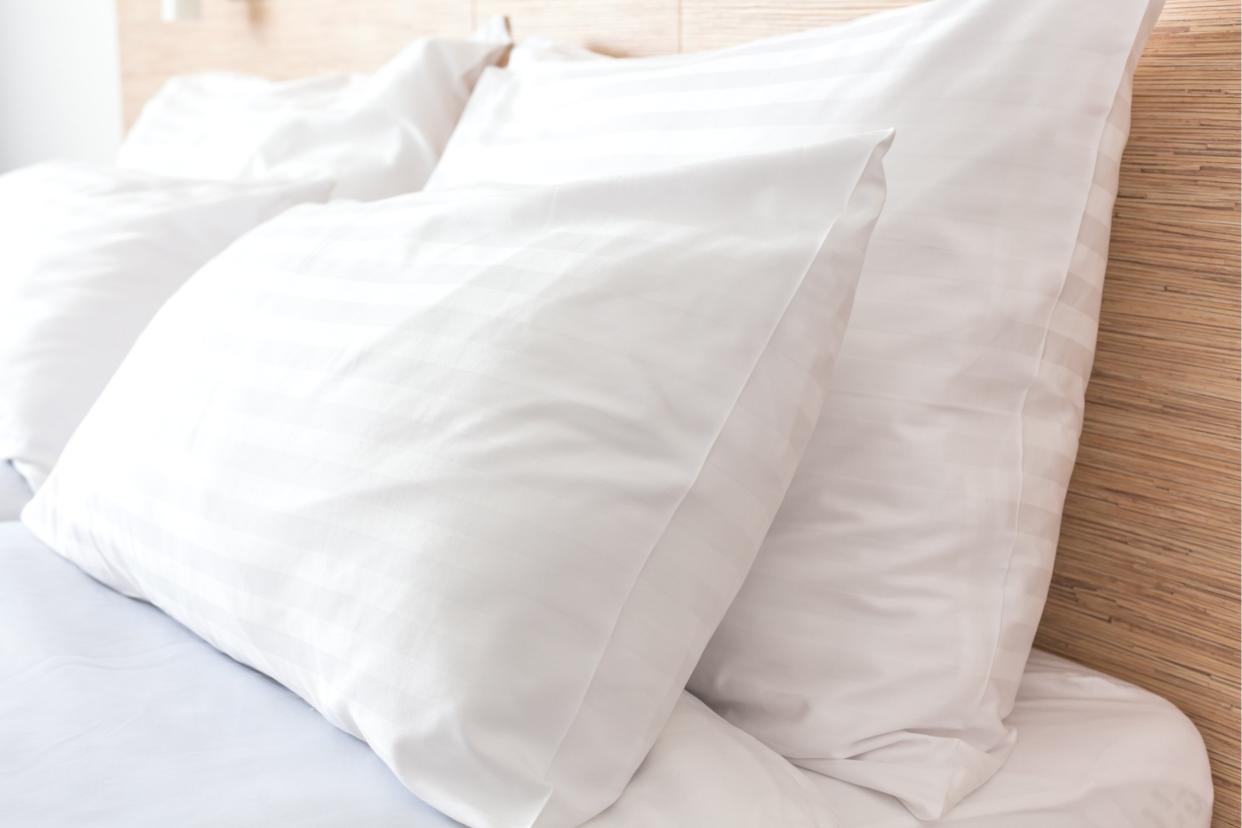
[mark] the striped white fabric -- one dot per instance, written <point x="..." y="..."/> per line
<point x="477" y="473"/>
<point x="882" y="634"/>
<point x="87" y="256"/>
<point x="375" y="136"/>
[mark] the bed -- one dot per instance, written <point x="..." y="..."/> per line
<point x="123" y="717"/>
<point x="1147" y="580"/>
<point x="146" y="724"/>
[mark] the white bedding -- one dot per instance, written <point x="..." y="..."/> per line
<point x="14" y="492"/>
<point x="1092" y="752"/>
<point x="111" y="714"/>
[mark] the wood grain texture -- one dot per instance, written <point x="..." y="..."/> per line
<point x="614" y="27"/>
<point x="1147" y="579"/>
<point x="274" y="38"/>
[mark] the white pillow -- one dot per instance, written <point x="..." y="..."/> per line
<point x="477" y="473"/>
<point x="89" y="255"/>
<point x="376" y="135"/>
<point x="882" y="634"/>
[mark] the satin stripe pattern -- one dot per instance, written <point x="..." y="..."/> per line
<point x="881" y="636"/>
<point x="477" y="473"/>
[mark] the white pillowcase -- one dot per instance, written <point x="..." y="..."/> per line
<point x="477" y="473"/>
<point x="882" y="634"/>
<point x="376" y="135"/>
<point x="89" y="255"/>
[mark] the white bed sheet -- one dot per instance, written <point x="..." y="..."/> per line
<point x="14" y="492"/>
<point x="112" y="715"/>
<point x="1092" y="752"/>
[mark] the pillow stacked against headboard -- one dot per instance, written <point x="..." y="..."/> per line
<point x="90" y="253"/>
<point x="478" y="472"/>
<point x="375" y="135"/>
<point x="881" y="636"/>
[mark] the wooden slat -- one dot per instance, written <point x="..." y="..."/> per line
<point x="1147" y="579"/>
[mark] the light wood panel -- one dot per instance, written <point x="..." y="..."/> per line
<point x="1147" y="578"/>
<point x="275" y="38"/>
<point x="614" y="27"/>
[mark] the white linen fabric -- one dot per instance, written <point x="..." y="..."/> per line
<point x="882" y="633"/>
<point x="89" y="256"/>
<point x="1093" y="752"/>
<point x="375" y="135"/>
<point x="478" y="473"/>
<point x="151" y="727"/>
<point x="14" y="492"/>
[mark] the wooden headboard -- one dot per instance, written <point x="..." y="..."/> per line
<point x="1147" y="578"/>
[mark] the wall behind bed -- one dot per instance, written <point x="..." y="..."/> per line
<point x="1147" y="580"/>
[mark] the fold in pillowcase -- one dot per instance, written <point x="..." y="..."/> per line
<point x="882" y="633"/>
<point x="89" y="255"/>
<point x="375" y="135"/>
<point x="477" y="473"/>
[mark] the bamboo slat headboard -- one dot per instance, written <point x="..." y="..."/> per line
<point x="1147" y="578"/>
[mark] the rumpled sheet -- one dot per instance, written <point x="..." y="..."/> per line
<point x="113" y="715"/>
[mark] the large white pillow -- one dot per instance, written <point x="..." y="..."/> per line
<point x="477" y="473"/>
<point x="376" y="135"/>
<point x="89" y="255"/>
<point x="882" y="634"/>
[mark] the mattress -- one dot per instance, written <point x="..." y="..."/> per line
<point x="111" y="714"/>
<point x="14" y="493"/>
